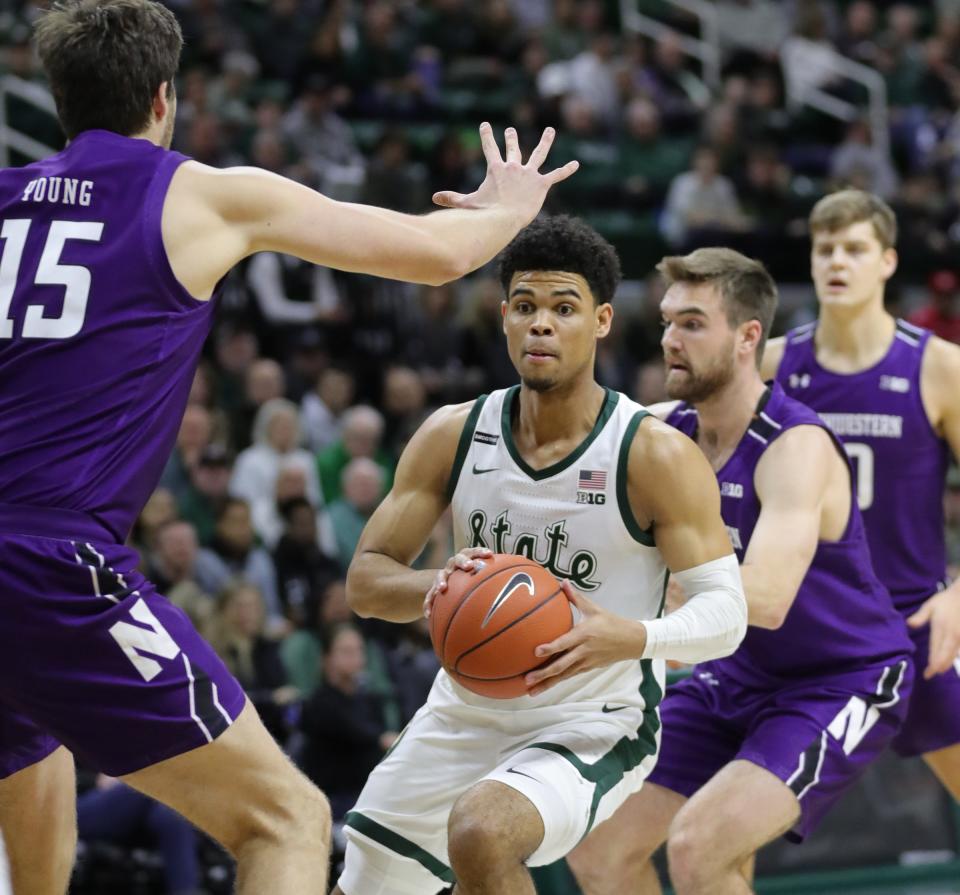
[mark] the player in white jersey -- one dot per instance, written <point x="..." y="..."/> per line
<point x="584" y="481"/>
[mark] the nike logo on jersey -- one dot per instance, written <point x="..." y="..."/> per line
<point x="613" y="708"/>
<point x="478" y="471"/>
<point x="521" y="579"/>
<point x="522" y="774"/>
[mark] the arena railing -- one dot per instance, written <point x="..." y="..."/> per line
<point x="706" y="48"/>
<point x="832" y="66"/>
<point x="12" y="139"/>
<point x="835" y="67"/>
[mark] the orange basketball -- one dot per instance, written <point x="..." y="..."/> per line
<point x="487" y="623"/>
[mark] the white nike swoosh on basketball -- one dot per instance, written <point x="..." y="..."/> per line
<point x="521" y="579"/>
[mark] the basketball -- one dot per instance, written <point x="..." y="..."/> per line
<point x="488" y="622"/>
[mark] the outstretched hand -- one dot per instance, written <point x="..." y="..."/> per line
<point x="600" y="638"/>
<point x="509" y="182"/>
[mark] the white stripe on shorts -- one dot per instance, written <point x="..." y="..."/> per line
<point x="94" y="576"/>
<point x="816" y="774"/>
<point x="216" y="702"/>
<point x="193" y="705"/>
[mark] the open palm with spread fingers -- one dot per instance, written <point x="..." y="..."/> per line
<point x="509" y="182"/>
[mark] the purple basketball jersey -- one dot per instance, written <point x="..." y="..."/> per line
<point x="842" y="617"/>
<point x="900" y="462"/>
<point x="98" y="340"/>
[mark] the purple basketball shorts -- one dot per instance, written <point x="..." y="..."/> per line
<point x="91" y="656"/>
<point x="816" y="735"/>
<point x="933" y="718"/>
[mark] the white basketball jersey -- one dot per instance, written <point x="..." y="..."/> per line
<point x="573" y="518"/>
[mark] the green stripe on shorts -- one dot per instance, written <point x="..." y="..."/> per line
<point x="396" y="843"/>
<point x="608" y="770"/>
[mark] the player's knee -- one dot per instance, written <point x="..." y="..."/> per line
<point x="319" y="820"/>
<point x="685" y="870"/>
<point x="688" y="856"/>
<point x="296" y="815"/>
<point x="309" y="819"/>
<point x="470" y="844"/>
<point x="609" y="869"/>
<point x="476" y="845"/>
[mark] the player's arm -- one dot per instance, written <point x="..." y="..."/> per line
<point x="214" y="218"/>
<point x="792" y="479"/>
<point x="772" y="355"/>
<point x="380" y="582"/>
<point x="940" y="374"/>
<point x="672" y="489"/>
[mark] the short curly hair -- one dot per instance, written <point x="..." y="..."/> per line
<point x="561" y="242"/>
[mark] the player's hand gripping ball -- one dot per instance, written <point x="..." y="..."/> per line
<point x="487" y="623"/>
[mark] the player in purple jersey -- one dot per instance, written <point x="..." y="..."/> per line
<point x="889" y="392"/>
<point x="112" y="252"/>
<point x="764" y="742"/>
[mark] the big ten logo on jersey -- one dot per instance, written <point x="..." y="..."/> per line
<point x="592" y="486"/>
<point x="591" y="497"/>
<point x="731" y="489"/>
<point x="550" y="552"/>
<point x="148" y="636"/>
<point x="799" y="380"/>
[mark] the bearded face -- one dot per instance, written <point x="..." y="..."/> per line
<point x="695" y="375"/>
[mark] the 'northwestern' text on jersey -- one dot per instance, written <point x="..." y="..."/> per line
<point x="900" y="461"/>
<point x="98" y="339"/>
<point x="842" y="618"/>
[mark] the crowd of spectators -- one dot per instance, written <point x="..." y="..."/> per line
<point x="314" y="380"/>
<point x="378" y="101"/>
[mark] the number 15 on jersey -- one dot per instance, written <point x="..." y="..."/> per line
<point x="74" y="278"/>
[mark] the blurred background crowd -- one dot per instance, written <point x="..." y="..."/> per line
<point x="313" y="380"/>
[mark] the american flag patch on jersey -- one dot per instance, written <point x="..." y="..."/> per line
<point x="592" y="479"/>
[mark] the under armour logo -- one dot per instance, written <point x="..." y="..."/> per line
<point x="799" y="380"/>
<point x="709" y="678"/>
